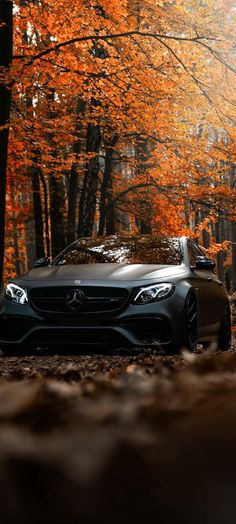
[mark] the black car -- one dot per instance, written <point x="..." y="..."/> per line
<point x="118" y="292"/>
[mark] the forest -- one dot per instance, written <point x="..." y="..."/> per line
<point x="116" y="117"/>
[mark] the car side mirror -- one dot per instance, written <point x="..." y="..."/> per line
<point x="203" y="262"/>
<point x="42" y="262"/>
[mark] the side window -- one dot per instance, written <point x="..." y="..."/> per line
<point x="193" y="252"/>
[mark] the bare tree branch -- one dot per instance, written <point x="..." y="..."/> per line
<point x="91" y="38"/>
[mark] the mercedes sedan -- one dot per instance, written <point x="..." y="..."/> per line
<point x="138" y="291"/>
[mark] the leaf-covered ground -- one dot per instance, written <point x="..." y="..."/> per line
<point x="118" y="438"/>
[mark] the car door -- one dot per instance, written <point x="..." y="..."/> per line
<point x="208" y="290"/>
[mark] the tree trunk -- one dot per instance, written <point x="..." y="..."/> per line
<point x="233" y="267"/>
<point x="56" y="215"/>
<point x="110" y="211"/>
<point x="145" y="220"/>
<point x="107" y="215"/>
<point x="16" y="249"/>
<point x="72" y="201"/>
<point x="74" y="175"/>
<point x="145" y="211"/>
<point x="38" y="208"/>
<point x="88" y="199"/>
<point x="205" y="234"/>
<point x="57" y="193"/>
<point x="220" y="236"/>
<point x="46" y="213"/>
<point x="6" y="44"/>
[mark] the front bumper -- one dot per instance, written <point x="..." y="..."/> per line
<point x="149" y="325"/>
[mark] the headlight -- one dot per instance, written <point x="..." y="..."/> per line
<point x="154" y="293"/>
<point x="16" y="293"/>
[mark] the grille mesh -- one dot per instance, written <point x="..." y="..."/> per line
<point x="97" y="299"/>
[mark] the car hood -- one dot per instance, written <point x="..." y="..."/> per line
<point x="118" y="272"/>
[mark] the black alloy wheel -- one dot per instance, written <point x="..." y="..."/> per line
<point x="190" y="328"/>
<point x="224" y="342"/>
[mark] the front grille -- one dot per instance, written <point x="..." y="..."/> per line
<point x="96" y="299"/>
<point x="85" y="337"/>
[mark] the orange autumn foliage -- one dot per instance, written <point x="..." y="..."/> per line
<point x="156" y="83"/>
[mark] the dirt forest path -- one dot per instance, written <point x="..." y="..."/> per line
<point x="111" y="438"/>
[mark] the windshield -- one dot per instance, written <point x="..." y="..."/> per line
<point x="123" y="250"/>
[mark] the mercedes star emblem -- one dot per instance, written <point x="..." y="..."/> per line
<point x="75" y="299"/>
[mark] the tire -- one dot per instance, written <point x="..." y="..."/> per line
<point x="189" y="332"/>
<point x="224" y="341"/>
<point x="190" y="324"/>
